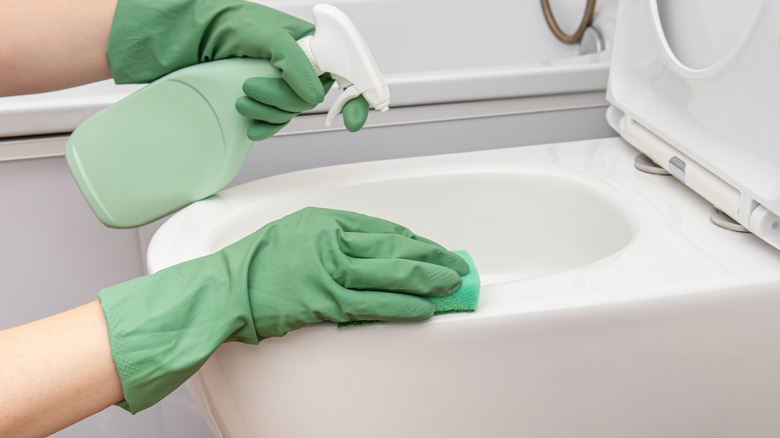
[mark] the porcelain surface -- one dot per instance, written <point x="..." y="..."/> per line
<point x="611" y="306"/>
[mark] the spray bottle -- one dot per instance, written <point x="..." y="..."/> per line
<point x="180" y="139"/>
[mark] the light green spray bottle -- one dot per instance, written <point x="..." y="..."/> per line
<point x="180" y="139"/>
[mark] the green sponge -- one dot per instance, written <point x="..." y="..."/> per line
<point x="462" y="300"/>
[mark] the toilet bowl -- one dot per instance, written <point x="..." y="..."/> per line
<point x="611" y="304"/>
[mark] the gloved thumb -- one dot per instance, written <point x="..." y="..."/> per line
<point x="297" y="71"/>
<point x="355" y="113"/>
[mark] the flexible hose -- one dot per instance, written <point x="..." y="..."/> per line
<point x="563" y="36"/>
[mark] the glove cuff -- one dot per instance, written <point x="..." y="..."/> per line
<point x="151" y="39"/>
<point x="163" y="327"/>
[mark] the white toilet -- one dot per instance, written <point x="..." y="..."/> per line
<point x="611" y="305"/>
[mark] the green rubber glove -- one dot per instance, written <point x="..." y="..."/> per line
<point x="151" y="38"/>
<point x="355" y="113"/>
<point x="272" y="104"/>
<point x="313" y="265"/>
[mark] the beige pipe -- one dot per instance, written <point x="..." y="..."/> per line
<point x="561" y="35"/>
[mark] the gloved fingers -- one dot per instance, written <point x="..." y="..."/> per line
<point x="297" y="70"/>
<point x="260" y="131"/>
<point x="265" y="113"/>
<point x="358" y="222"/>
<point x="384" y="306"/>
<point x="355" y="113"/>
<point x="396" y="275"/>
<point x="272" y="104"/>
<point x="393" y="246"/>
<point x="275" y="92"/>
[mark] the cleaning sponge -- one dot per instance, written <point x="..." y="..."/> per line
<point x="464" y="299"/>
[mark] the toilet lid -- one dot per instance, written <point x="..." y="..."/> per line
<point x="695" y="85"/>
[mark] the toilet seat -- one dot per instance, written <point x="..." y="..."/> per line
<point x="714" y="128"/>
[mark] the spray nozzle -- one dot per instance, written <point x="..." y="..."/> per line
<point x="337" y="47"/>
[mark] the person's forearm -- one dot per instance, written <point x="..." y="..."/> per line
<point x="55" y="372"/>
<point x="53" y="44"/>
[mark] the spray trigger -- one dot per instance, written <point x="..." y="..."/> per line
<point x="348" y="94"/>
<point x="337" y="47"/>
